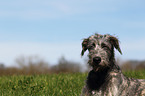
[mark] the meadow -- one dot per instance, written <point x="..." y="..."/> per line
<point x="62" y="84"/>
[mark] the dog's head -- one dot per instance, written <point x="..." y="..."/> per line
<point x="101" y="50"/>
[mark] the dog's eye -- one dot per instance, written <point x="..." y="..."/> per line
<point x="92" y="46"/>
<point x="104" y="45"/>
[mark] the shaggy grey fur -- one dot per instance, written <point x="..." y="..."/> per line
<point x="106" y="78"/>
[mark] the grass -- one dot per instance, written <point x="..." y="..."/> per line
<point x="140" y="74"/>
<point x="63" y="84"/>
<point x="42" y="85"/>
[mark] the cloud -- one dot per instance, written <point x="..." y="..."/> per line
<point x="135" y="24"/>
<point x="51" y="52"/>
<point x="134" y="45"/>
<point x="30" y="10"/>
<point x="134" y="49"/>
<point x="45" y="9"/>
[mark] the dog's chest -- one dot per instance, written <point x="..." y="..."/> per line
<point x="111" y="90"/>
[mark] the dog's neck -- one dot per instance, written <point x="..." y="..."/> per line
<point x="99" y="79"/>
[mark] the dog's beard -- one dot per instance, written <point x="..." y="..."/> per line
<point x="98" y="67"/>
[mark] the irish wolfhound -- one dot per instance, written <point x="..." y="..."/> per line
<point x="106" y="78"/>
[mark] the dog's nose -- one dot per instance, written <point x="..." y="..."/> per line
<point x="97" y="60"/>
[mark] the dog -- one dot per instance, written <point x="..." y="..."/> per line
<point x="106" y="77"/>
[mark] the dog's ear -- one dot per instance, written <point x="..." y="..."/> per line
<point x="84" y="46"/>
<point x="115" y="42"/>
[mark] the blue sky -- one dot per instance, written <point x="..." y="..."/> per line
<point x="52" y="28"/>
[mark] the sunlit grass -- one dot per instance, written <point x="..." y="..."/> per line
<point x="63" y="84"/>
<point x="42" y="85"/>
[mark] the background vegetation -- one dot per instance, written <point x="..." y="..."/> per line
<point x="35" y="77"/>
<point x="62" y="84"/>
<point x="36" y="65"/>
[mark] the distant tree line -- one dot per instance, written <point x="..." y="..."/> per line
<point x="133" y="65"/>
<point x="36" y="65"/>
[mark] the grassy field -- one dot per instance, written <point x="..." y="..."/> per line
<point x="63" y="84"/>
